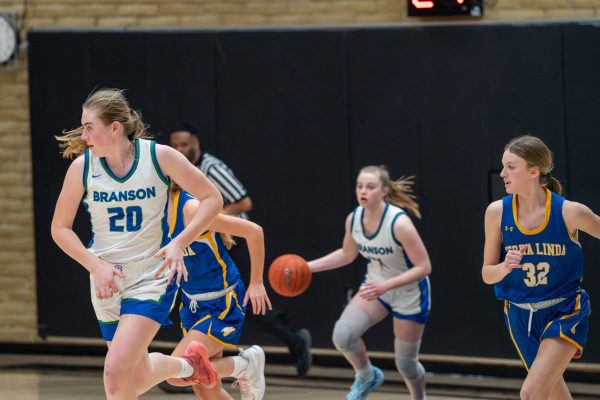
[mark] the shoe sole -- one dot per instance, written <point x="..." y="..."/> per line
<point x="204" y="363"/>
<point x="261" y="371"/>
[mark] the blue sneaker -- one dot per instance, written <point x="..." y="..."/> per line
<point x="361" y="388"/>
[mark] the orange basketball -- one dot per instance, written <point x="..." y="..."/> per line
<point x="289" y="275"/>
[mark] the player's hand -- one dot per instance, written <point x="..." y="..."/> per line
<point x="372" y="290"/>
<point x="104" y="280"/>
<point x="513" y="257"/>
<point x="173" y="259"/>
<point x="257" y="296"/>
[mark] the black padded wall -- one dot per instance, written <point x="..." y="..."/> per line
<point x="582" y="85"/>
<point x="296" y="113"/>
<point x="283" y="121"/>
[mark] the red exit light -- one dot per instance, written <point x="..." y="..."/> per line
<point x="418" y="8"/>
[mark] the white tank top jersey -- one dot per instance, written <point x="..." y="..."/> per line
<point x="385" y="255"/>
<point x="128" y="214"/>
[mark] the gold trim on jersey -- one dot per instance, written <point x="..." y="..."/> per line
<point x="213" y="245"/>
<point x="546" y="216"/>
<point x="174" y="212"/>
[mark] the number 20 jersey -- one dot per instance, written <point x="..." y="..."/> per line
<point x="128" y="214"/>
<point x="553" y="263"/>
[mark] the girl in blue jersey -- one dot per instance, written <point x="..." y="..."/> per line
<point x="533" y="258"/>
<point x="396" y="281"/>
<point x="214" y="297"/>
<point x="123" y="180"/>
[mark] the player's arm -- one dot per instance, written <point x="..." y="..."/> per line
<point x="62" y="232"/>
<point x="179" y="169"/>
<point x="406" y="233"/>
<point x="254" y="236"/>
<point x="493" y="271"/>
<point x="578" y="216"/>
<point x="340" y="257"/>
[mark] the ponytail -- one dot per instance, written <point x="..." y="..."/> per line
<point x="535" y="152"/>
<point x="110" y="105"/>
<point x="400" y="191"/>
<point x="228" y="240"/>
<point x="401" y="194"/>
<point x="552" y="184"/>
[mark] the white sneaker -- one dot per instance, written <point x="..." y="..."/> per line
<point x="252" y="379"/>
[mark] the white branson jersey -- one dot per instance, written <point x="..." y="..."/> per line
<point x="385" y="255"/>
<point x="128" y="214"/>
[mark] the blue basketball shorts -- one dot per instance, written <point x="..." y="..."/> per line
<point x="567" y="320"/>
<point x="220" y="319"/>
<point x="139" y="293"/>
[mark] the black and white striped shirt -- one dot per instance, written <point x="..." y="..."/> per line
<point x="224" y="179"/>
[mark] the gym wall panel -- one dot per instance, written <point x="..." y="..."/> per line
<point x="383" y="82"/>
<point x="283" y="123"/>
<point x="296" y="113"/>
<point x="582" y="140"/>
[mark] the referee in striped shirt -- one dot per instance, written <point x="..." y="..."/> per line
<point x="235" y="197"/>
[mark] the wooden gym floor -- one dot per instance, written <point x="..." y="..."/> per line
<point x="49" y="377"/>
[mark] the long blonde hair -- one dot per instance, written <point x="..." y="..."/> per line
<point x="400" y="191"/>
<point x="110" y="105"/>
<point x="535" y="152"/>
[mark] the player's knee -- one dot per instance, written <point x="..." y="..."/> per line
<point x="533" y="392"/>
<point x="342" y="337"/>
<point x="410" y="368"/>
<point x="114" y="379"/>
<point x="406" y="359"/>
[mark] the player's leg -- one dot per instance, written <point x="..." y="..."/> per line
<point x="215" y="351"/>
<point x="217" y="324"/>
<point x="407" y="341"/>
<point x="544" y="380"/>
<point x="127" y="367"/>
<point x="357" y="318"/>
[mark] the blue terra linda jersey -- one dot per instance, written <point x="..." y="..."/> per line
<point x="209" y="266"/>
<point x="553" y="263"/>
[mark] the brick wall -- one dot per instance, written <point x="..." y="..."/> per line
<point x="17" y="261"/>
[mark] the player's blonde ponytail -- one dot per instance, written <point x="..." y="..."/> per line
<point x="400" y="191"/>
<point x="110" y="105"/>
<point x="537" y="154"/>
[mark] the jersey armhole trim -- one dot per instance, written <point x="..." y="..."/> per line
<point x="353" y="216"/>
<point x="392" y="227"/>
<point x="86" y="168"/>
<point x="159" y="172"/>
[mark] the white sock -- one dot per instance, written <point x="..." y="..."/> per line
<point x="239" y="365"/>
<point x="365" y="372"/>
<point x="186" y="369"/>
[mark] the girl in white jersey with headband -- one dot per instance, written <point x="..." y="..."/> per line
<point x="396" y="281"/>
<point x="123" y="181"/>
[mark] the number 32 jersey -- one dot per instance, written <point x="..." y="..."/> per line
<point x="553" y="262"/>
<point x="128" y="214"/>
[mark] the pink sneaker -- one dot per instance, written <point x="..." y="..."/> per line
<point x="205" y="374"/>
